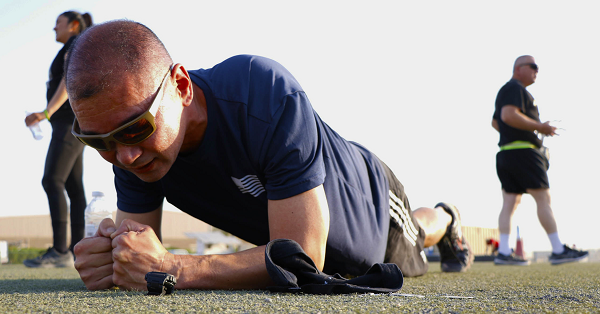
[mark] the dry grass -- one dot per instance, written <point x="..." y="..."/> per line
<point x="487" y="288"/>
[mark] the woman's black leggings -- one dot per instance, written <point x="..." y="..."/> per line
<point x="64" y="172"/>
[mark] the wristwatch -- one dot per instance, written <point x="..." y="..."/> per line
<point x="160" y="283"/>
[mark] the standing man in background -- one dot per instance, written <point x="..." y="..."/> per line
<point x="522" y="166"/>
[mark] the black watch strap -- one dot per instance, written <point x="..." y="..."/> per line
<point x="160" y="283"/>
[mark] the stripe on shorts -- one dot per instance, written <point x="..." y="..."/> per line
<point x="399" y="213"/>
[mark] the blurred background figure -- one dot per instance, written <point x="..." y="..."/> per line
<point x="522" y="163"/>
<point x="64" y="161"/>
<point x="491" y="245"/>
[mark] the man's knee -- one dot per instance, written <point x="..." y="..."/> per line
<point x="541" y="195"/>
<point x="511" y="200"/>
<point x="52" y="184"/>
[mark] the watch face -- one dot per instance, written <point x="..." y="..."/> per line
<point x="171" y="279"/>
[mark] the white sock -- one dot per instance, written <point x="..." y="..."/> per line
<point x="504" y="247"/>
<point x="557" y="246"/>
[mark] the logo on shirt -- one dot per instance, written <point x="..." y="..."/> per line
<point x="249" y="184"/>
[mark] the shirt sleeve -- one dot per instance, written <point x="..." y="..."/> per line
<point x="512" y="95"/>
<point x="135" y="195"/>
<point x="294" y="155"/>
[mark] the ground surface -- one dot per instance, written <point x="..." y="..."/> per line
<point x="538" y="288"/>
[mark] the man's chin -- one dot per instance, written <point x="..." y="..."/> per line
<point x="148" y="178"/>
<point x="151" y="176"/>
<point x="152" y="172"/>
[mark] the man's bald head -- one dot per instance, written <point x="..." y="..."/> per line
<point x="523" y="60"/>
<point x="112" y="53"/>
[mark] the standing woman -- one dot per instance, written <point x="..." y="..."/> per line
<point x="64" y="162"/>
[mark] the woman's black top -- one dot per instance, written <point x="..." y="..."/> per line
<point x="56" y="74"/>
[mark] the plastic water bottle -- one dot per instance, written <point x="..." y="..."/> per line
<point x="35" y="129"/>
<point x="95" y="212"/>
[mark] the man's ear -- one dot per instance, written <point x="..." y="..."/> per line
<point x="183" y="83"/>
<point x="518" y="71"/>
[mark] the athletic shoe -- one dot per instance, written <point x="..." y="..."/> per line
<point x="511" y="259"/>
<point x="455" y="252"/>
<point x="51" y="259"/>
<point x="568" y="255"/>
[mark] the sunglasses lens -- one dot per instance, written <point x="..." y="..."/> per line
<point x="533" y="66"/>
<point x="135" y="133"/>
<point x="94" y="143"/>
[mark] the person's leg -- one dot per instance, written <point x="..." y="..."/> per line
<point x="55" y="175"/>
<point x="436" y="226"/>
<point x="510" y="201"/>
<point x="505" y="255"/>
<point x="561" y="253"/>
<point x="63" y="152"/>
<point x="59" y="162"/>
<point x="544" y="210"/>
<point x="546" y="217"/>
<point x="76" y="193"/>
<point x="411" y="231"/>
<point x="434" y="221"/>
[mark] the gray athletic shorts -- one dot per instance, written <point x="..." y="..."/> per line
<point x="406" y="237"/>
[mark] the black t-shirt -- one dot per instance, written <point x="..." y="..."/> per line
<point x="514" y="93"/>
<point x="55" y="75"/>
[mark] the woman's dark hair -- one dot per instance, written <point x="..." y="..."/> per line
<point x="88" y="19"/>
<point x="84" y="20"/>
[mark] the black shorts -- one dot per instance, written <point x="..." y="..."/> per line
<point x="522" y="169"/>
<point x="406" y="238"/>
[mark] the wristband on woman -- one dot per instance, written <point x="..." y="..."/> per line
<point x="46" y="114"/>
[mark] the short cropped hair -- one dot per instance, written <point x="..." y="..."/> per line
<point x="111" y="52"/>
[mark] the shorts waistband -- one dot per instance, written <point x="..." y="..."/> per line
<point x="517" y="145"/>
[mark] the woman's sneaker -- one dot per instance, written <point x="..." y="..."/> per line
<point x="568" y="255"/>
<point x="511" y="259"/>
<point x="51" y="259"/>
<point x="455" y="252"/>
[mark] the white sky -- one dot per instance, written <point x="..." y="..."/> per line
<point x="414" y="81"/>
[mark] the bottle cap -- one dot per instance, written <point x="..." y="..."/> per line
<point x="97" y="193"/>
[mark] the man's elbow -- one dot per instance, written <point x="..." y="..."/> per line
<point x="495" y="125"/>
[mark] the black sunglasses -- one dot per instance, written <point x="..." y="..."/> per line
<point x="533" y="66"/>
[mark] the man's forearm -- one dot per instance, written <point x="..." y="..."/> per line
<point x="241" y="270"/>
<point x="524" y="123"/>
<point x="58" y="99"/>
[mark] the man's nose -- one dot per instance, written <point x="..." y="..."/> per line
<point x="127" y="154"/>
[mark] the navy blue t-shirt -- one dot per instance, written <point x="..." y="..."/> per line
<point x="264" y="141"/>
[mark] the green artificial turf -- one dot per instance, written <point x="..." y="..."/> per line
<point x="539" y="288"/>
